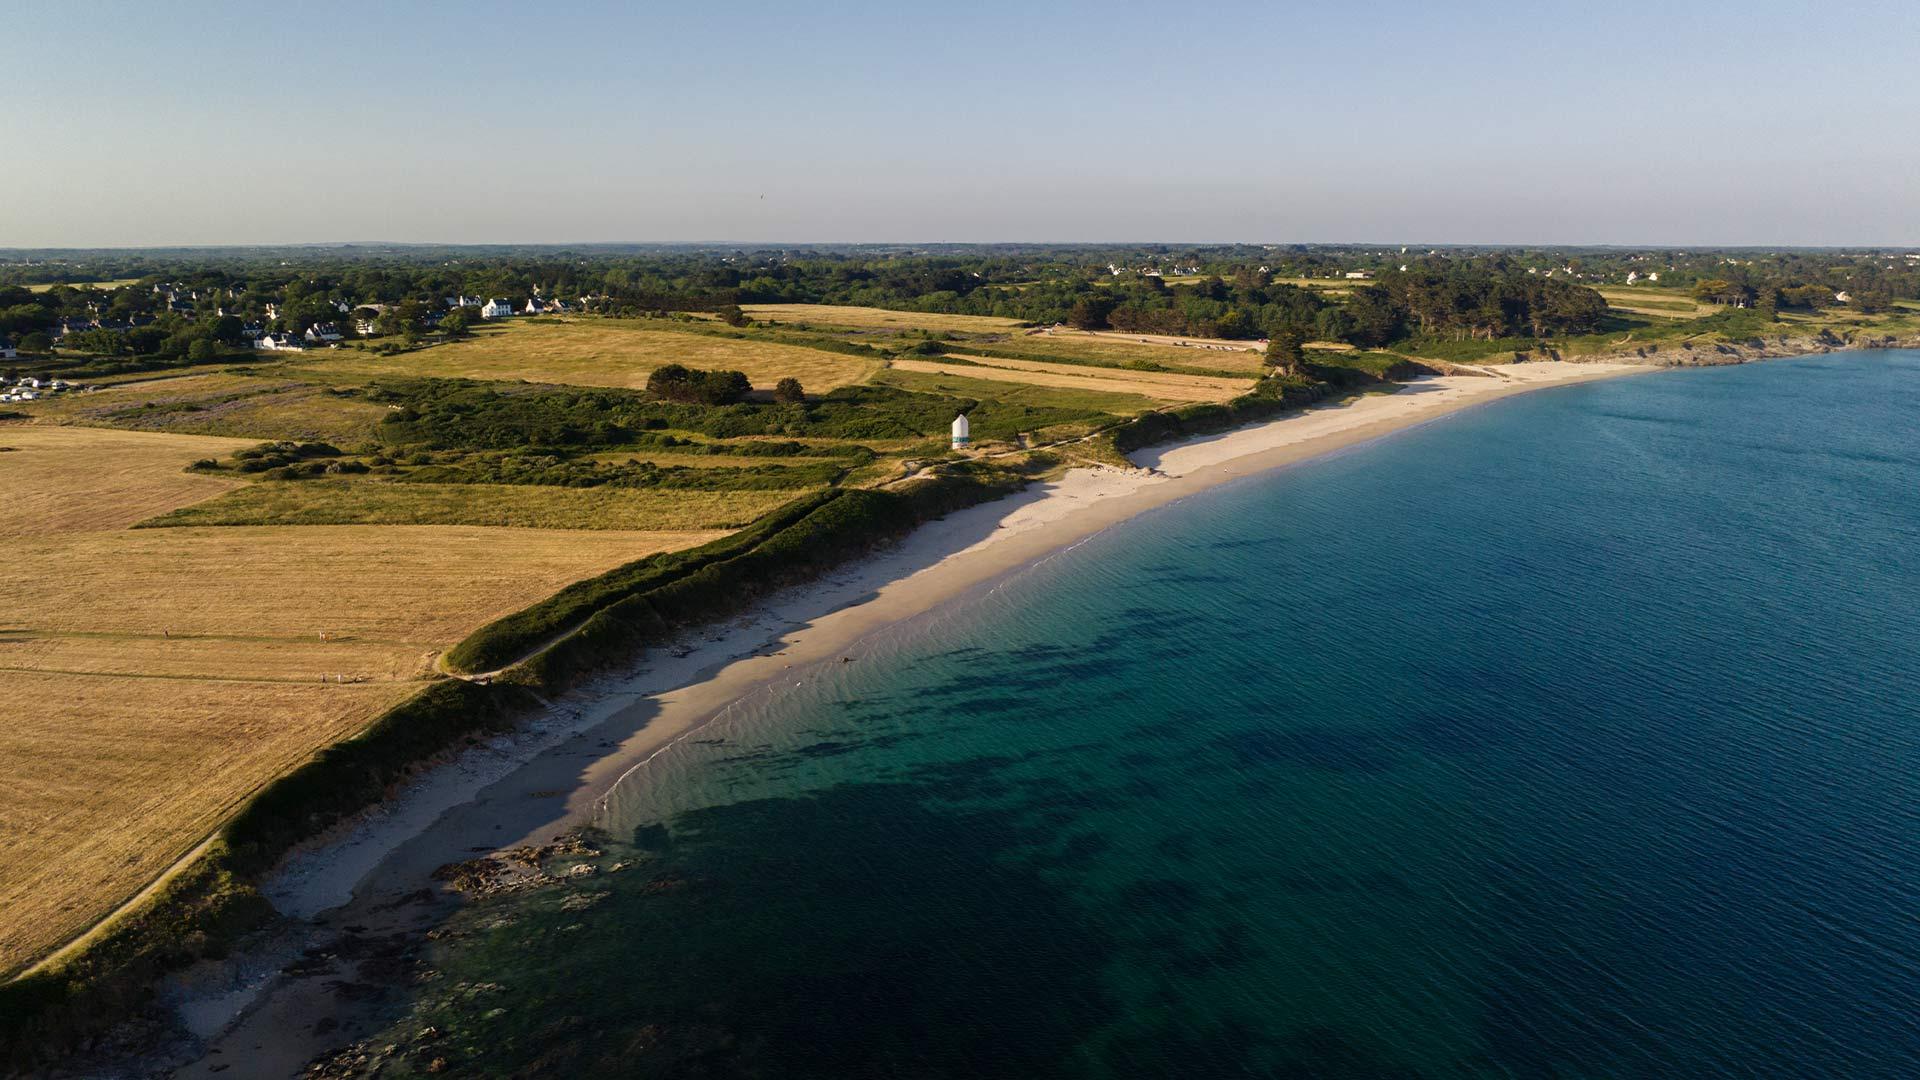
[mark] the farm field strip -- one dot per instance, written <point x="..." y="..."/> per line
<point x="863" y="318"/>
<point x="1171" y="380"/>
<point x="1155" y="391"/>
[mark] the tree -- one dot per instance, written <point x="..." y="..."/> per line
<point x="455" y="324"/>
<point x="1286" y="348"/>
<point x="35" y="342"/>
<point x="202" y="350"/>
<point x="733" y="316"/>
<point x="789" y="392"/>
<point x="1090" y="313"/>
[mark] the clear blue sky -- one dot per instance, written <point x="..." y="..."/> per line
<point x="1761" y="121"/>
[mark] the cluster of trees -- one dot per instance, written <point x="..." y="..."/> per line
<point x="692" y="386"/>
<point x="1468" y="303"/>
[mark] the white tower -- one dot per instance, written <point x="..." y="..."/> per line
<point x="962" y="432"/>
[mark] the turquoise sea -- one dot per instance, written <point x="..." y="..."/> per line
<point x="1576" y="736"/>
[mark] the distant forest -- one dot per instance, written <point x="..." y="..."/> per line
<point x="181" y="302"/>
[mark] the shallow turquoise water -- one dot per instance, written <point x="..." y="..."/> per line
<point x="1574" y="736"/>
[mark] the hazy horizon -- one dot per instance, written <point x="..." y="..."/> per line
<point x="1767" y="124"/>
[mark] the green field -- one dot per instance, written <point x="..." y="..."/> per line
<point x="1017" y="392"/>
<point x="374" y="502"/>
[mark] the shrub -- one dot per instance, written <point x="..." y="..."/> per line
<point x="788" y="391"/>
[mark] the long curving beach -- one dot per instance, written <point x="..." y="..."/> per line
<point x="530" y="787"/>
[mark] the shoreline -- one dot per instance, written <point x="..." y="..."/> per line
<point x="372" y="878"/>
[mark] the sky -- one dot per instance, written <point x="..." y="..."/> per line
<point x="1687" y="122"/>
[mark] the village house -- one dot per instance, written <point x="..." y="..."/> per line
<point x="534" y="307"/>
<point x="282" y="342"/>
<point x="7" y="350"/>
<point x="1359" y="275"/>
<point x="496" y="309"/>
<point x="323" y="333"/>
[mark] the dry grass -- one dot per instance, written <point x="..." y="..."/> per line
<point x="1160" y="386"/>
<point x="374" y="502"/>
<point x="862" y="318"/>
<point x="152" y="678"/>
<point x="595" y="352"/>
<point x="104" y="782"/>
<point x="113" y="284"/>
<point x="72" y="479"/>
<point x="409" y="587"/>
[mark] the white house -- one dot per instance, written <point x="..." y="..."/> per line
<point x="534" y="307"/>
<point x="496" y="309"/>
<point x="279" y="343"/>
<point x="962" y="432"/>
<point x="322" y="333"/>
<point x="1359" y="275"/>
<point x="7" y="351"/>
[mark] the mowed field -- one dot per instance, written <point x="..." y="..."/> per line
<point x="596" y="352"/>
<point x="1170" y="387"/>
<point x="862" y="318"/>
<point x="1659" y="303"/>
<point x="150" y="679"/>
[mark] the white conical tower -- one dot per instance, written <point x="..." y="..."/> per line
<point x="962" y="432"/>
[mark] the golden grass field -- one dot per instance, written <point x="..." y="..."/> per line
<point x="152" y="678"/>
<point x="377" y="502"/>
<point x="62" y="480"/>
<point x="863" y="318"/>
<point x="114" y="284"/>
<point x="594" y="352"/>
<point x="1158" y="385"/>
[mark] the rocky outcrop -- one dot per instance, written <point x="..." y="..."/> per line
<point x="1711" y="353"/>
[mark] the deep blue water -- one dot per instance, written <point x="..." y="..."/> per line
<point x="1575" y="736"/>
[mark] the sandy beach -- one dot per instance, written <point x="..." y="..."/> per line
<point x="374" y="877"/>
